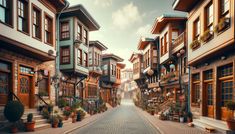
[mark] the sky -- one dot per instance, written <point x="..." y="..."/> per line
<point x="124" y="22"/>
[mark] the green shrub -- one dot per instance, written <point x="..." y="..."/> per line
<point x="62" y="103"/>
<point x="13" y="111"/>
<point x="45" y="113"/>
<point x="30" y="117"/>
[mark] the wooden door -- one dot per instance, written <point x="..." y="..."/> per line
<point x="210" y="102"/>
<point x="24" y="89"/>
<point x="226" y="96"/>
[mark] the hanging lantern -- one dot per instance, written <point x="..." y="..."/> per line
<point x="150" y="72"/>
<point x="178" y="91"/>
<point x="150" y="91"/>
<point x="172" y="66"/>
<point x="178" y="54"/>
<point x="182" y="51"/>
<point x="159" y="89"/>
<point x="173" y="92"/>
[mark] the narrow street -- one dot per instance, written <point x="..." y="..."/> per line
<point x="122" y="120"/>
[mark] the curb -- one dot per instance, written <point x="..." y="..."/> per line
<point x="93" y="121"/>
<point x="140" y="110"/>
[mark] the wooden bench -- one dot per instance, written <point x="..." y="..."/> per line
<point x="209" y="129"/>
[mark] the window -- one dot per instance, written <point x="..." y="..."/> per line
<point x="85" y="39"/>
<point x="25" y="70"/>
<point x="227" y="92"/>
<point x="184" y="65"/>
<point x="67" y="89"/>
<point x="162" y="47"/>
<point x="95" y="58"/>
<point x="65" y="55"/>
<point x="85" y="59"/>
<point x="79" y="35"/>
<point x="105" y="69"/>
<point x="112" y="67"/>
<point x="226" y="70"/>
<point x="48" y="29"/>
<point x="209" y="16"/>
<point x="64" y="27"/>
<point x="43" y="85"/>
<point x="166" y="43"/>
<point x="36" y="15"/>
<point x="6" y="11"/>
<point x="90" y="58"/>
<point x="79" y="57"/>
<point x="197" y="29"/>
<point x="92" y="90"/>
<point x="23" y="20"/>
<point x="196" y="89"/>
<point x="224" y="8"/>
<point x="209" y="94"/>
<point x="5" y="73"/>
<point x="208" y="75"/>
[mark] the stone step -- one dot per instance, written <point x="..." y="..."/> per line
<point x="35" y="117"/>
<point x="203" y="124"/>
<point x="218" y="123"/>
<point x="42" y="126"/>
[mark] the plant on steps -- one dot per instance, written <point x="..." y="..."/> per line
<point x="13" y="112"/>
<point x="29" y="125"/>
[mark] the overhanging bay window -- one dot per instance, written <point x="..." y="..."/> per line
<point x="23" y="16"/>
<point x="6" y="11"/>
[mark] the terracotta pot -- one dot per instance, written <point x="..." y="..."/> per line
<point x="231" y="124"/>
<point x="29" y="126"/>
<point x="55" y="125"/>
<point x="73" y="120"/>
<point x="14" y="129"/>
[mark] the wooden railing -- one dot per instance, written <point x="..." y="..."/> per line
<point x="12" y="96"/>
<point x="40" y="98"/>
<point x="169" y="76"/>
<point x="180" y="39"/>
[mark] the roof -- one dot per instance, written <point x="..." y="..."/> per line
<point x="115" y="57"/>
<point x="121" y="65"/>
<point x="58" y="4"/>
<point x="144" y="42"/>
<point x="98" y="44"/>
<point x="184" y="5"/>
<point x="163" y="20"/>
<point x="83" y="15"/>
<point x="134" y="56"/>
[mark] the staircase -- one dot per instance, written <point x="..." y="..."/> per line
<point x="40" y="122"/>
<point x="165" y="105"/>
<point x="204" y="122"/>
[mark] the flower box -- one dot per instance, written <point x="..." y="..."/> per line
<point x="195" y="44"/>
<point x="207" y="35"/>
<point x="223" y="24"/>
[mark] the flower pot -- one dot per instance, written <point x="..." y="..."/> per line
<point x="29" y="126"/>
<point x="74" y="120"/>
<point x="189" y="119"/>
<point x="54" y="125"/>
<point x="14" y="129"/>
<point x="181" y="119"/>
<point x="231" y="124"/>
<point x="60" y="124"/>
<point x="66" y="118"/>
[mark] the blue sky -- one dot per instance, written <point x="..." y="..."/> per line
<point x="124" y="22"/>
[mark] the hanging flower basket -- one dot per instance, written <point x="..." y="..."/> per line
<point x="195" y="44"/>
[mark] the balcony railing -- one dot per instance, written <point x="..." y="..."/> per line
<point x="179" y="40"/>
<point x="172" y="76"/>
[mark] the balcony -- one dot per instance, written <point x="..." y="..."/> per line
<point x="170" y="77"/>
<point x="95" y="69"/>
<point x="178" y="43"/>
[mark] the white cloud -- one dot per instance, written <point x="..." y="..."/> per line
<point x="126" y="16"/>
<point x="145" y="31"/>
<point x="103" y="3"/>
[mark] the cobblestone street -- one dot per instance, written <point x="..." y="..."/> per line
<point x="124" y="119"/>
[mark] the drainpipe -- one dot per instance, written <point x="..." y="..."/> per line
<point x="189" y="74"/>
<point x="58" y="49"/>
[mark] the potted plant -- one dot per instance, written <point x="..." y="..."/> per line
<point x="206" y="36"/>
<point x="189" y="117"/>
<point x="50" y="107"/>
<point x="67" y="112"/>
<point x="45" y="113"/>
<point x="55" y="122"/>
<point x="60" y="124"/>
<point x="62" y="103"/>
<point x="13" y="112"/>
<point x="29" y="125"/>
<point x="195" y="44"/>
<point x="223" y="24"/>
<point x="181" y="114"/>
<point x="231" y="121"/>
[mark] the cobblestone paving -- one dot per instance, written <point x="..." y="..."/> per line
<point x="123" y="120"/>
